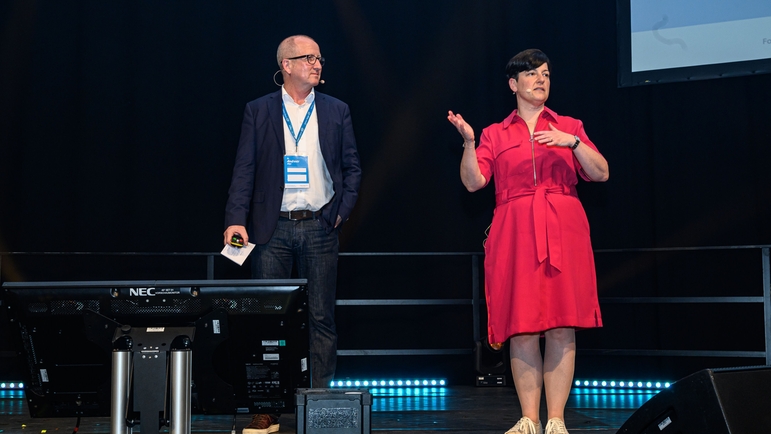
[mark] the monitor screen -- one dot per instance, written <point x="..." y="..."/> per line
<point x="249" y="349"/>
<point x="665" y="41"/>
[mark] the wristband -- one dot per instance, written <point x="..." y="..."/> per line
<point x="575" y="145"/>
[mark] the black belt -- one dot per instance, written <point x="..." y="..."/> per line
<point x="300" y="214"/>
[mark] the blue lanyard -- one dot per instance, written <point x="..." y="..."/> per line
<point x="302" y="127"/>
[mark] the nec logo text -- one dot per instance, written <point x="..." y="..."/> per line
<point x="142" y="292"/>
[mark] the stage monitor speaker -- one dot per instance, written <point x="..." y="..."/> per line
<point x="713" y="401"/>
<point x="333" y="411"/>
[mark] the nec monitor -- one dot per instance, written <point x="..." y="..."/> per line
<point x="249" y="349"/>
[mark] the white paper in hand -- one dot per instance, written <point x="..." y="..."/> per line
<point x="237" y="254"/>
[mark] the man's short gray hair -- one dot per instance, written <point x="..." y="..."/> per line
<point x="286" y="48"/>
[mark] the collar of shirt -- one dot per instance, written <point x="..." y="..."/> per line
<point x="288" y="99"/>
<point x="513" y="117"/>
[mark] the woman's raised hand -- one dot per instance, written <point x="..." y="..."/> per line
<point x="463" y="127"/>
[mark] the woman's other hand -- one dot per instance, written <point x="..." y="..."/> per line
<point x="554" y="137"/>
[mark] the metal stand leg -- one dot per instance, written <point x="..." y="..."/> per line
<point x="158" y="380"/>
<point x="181" y="378"/>
<point x="121" y="371"/>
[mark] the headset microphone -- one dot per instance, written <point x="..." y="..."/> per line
<point x="321" y="81"/>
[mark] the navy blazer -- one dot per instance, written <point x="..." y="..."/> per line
<point x="257" y="186"/>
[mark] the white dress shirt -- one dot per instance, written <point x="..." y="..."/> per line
<point x="320" y="191"/>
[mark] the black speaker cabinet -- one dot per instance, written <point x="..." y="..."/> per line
<point x="712" y="401"/>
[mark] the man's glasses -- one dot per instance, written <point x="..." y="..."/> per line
<point x="310" y="58"/>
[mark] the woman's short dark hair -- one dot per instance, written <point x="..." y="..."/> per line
<point x="526" y="61"/>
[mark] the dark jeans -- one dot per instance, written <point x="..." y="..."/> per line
<point x="306" y="244"/>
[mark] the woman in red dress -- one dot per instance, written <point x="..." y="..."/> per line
<point x="539" y="265"/>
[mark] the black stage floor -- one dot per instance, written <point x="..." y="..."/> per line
<point x="458" y="409"/>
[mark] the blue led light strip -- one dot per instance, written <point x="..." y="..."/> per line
<point x="623" y="384"/>
<point x="388" y="383"/>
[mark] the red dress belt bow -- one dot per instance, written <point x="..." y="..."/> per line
<point x="548" y="239"/>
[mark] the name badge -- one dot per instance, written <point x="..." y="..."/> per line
<point x="296" y="171"/>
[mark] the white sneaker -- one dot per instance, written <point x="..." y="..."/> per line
<point x="556" y="426"/>
<point x="526" y="426"/>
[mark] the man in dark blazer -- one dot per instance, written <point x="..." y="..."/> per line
<point x="295" y="181"/>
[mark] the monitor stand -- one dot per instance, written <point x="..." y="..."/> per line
<point x="140" y="371"/>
